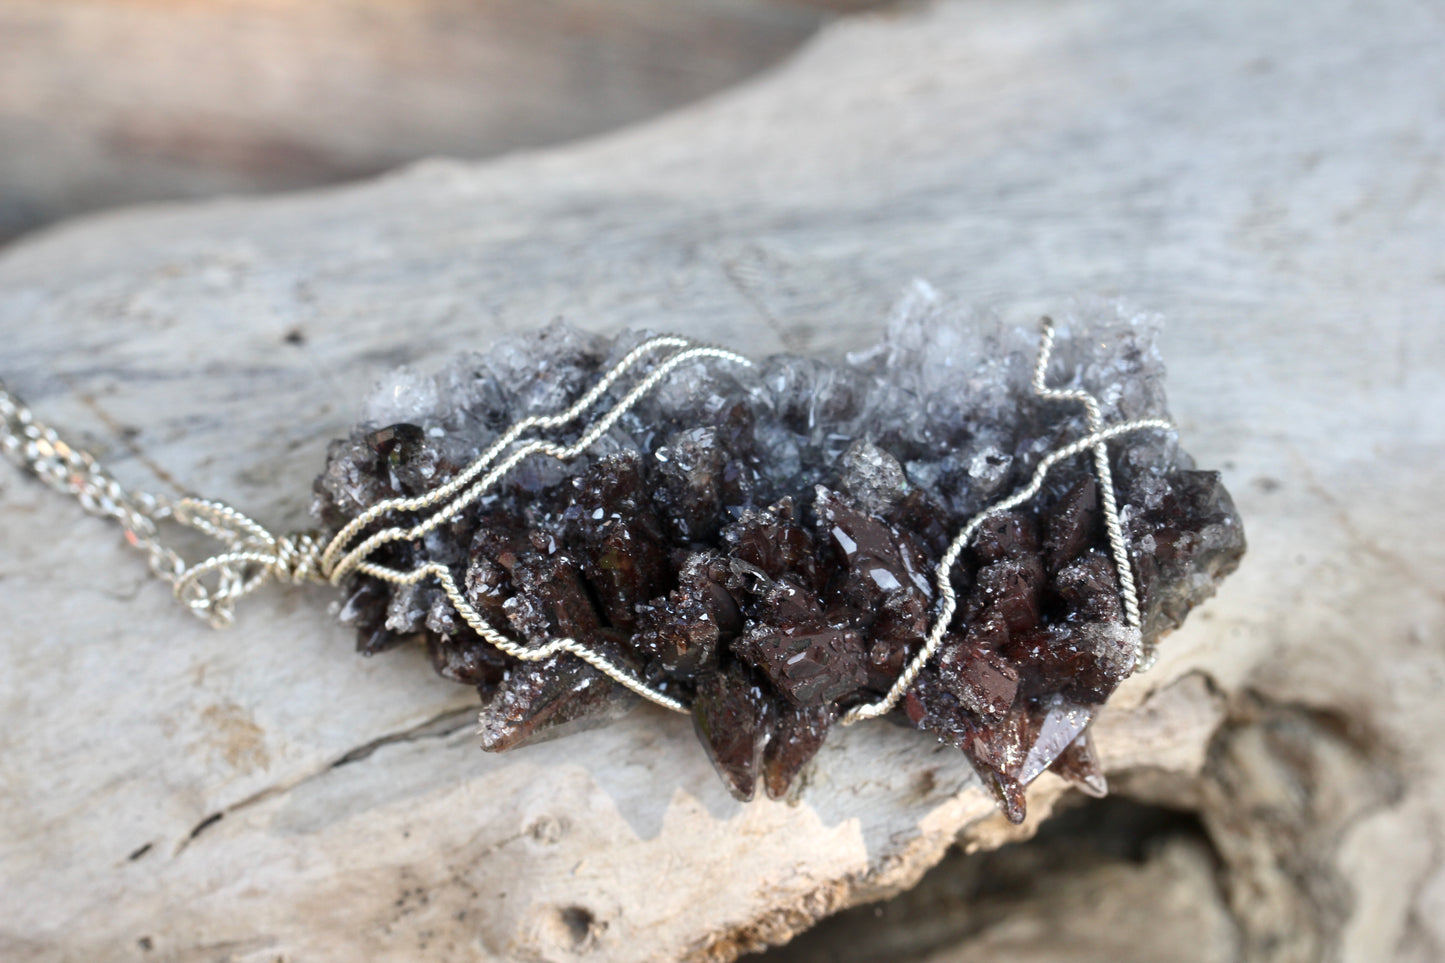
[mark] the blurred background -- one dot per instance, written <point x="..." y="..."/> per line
<point x="109" y="102"/>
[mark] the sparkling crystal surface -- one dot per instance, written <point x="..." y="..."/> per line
<point x="761" y="543"/>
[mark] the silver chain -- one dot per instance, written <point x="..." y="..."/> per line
<point x="210" y="588"/>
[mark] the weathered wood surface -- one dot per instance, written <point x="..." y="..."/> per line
<point x="1267" y="176"/>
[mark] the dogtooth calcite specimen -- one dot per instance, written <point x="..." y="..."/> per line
<point x="760" y="543"/>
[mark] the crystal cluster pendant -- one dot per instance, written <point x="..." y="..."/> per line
<point x="759" y="544"/>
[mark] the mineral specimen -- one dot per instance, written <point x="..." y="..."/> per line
<point x="761" y="543"/>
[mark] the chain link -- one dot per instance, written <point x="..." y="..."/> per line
<point x="209" y="588"/>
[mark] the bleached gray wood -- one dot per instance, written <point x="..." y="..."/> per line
<point x="1267" y="175"/>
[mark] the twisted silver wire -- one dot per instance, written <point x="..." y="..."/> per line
<point x="450" y="500"/>
<point x="337" y="569"/>
<point x="1096" y="441"/>
<point x="527" y="653"/>
<point x="252" y="557"/>
<point x="422" y="502"/>
<point x="1104" y="475"/>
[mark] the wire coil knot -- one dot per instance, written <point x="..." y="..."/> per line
<point x="252" y="556"/>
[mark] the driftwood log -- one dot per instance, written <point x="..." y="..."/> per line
<point x="106" y="102"/>
<point x="1268" y="177"/>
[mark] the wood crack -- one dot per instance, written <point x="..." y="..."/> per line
<point x="439" y="726"/>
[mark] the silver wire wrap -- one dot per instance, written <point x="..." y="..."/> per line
<point x="1097" y="441"/>
<point x="252" y="555"/>
<point x="337" y="562"/>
